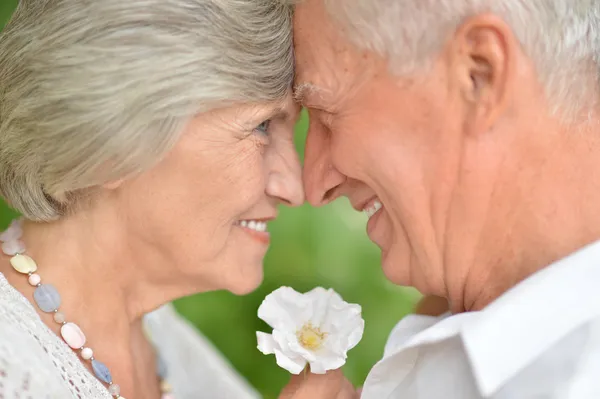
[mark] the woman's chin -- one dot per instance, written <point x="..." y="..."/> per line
<point x="247" y="281"/>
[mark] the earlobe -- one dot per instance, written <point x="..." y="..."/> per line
<point x="484" y="51"/>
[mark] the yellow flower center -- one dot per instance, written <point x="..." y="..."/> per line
<point x="311" y="337"/>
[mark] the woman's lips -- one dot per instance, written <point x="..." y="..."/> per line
<point x="256" y="229"/>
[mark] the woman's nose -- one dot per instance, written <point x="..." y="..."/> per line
<point x="287" y="189"/>
<point x="321" y="179"/>
<point x="285" y="179"/>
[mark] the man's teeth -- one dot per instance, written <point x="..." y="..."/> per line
<point x="370" y="211"/>
<point x="254" y="225"/>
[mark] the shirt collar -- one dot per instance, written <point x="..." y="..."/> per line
<point x="530" y="318"/>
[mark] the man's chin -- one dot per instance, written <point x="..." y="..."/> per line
<point x="393" y="270"/>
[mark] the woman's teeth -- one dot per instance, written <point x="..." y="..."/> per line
<point x="254" y="225"/>
<point x="373" y="208"/>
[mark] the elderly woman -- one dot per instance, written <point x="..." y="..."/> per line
<point x="147" y="144"/>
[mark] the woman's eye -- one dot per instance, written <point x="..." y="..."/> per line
<point x="263" y="128"/>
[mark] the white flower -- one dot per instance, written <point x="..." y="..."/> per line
<point x="317" y="328"/>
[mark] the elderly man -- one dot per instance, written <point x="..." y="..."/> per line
<point x="468" y="131"/>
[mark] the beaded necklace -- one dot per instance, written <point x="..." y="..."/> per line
<point x="48" y="300"/>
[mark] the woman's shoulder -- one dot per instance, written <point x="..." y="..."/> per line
<point x="189" y="356"/>
<point x="26" y="370"/>
<point x="18" y="319"/>
<point x="33" y="362"/>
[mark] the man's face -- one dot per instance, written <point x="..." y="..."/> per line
<point x="402" y="147"/>
<point x="376" y="140"/>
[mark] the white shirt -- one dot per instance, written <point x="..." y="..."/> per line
<point x="541" y="340"/>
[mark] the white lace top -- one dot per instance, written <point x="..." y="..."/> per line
<point x="36" y="364"/>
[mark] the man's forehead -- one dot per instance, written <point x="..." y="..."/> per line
<point x="314" y="46"/>
<point x="314" y="72"/>
<point x="325" y="60"/>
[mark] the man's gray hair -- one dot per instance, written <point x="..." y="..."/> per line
<point x="561" y="36"/>
<point x="95" y="91"/>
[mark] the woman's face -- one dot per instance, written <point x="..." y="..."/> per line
<point x="203" y="209"/>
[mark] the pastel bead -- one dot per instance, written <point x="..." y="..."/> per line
<point x="73" y="335"/>
<point x="13" y="247"/>
<point x="101" y="371"/>
<point x="47" y="298"/>
<point x="164" y="396"/>
<point x="87" y="353"/>
<point x="59" y="317"/>
<point x="23" y="264"/>
<point x="161" y="367"/>
<point x="14" y="232"/>
<point x="114" y="390"/>
<point x="34" y="279"/>
<point x="165" y="386"/>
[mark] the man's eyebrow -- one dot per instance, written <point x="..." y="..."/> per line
<point x="302" y="91"/>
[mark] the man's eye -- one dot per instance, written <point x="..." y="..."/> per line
<point x="263" y="128"/>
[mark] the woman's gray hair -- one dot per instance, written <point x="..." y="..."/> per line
<point x="95" y="91"/>
<point x="561" y="36"/>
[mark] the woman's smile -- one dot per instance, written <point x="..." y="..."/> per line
<point x="256" y="229"/>
<point x="159" y="143"/>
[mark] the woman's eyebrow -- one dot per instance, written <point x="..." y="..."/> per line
<point x="280" y="114"/>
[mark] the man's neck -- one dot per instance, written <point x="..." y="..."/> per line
<point x="555" y="213"/>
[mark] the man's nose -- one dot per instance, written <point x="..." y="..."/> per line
<point x="322" y="180"/>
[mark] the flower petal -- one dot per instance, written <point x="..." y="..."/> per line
<point x="346" y="324"/>
<point x="293" y="365"/>
<point x="320" y="299"/>
<point x="356" y="334"/>
<point x="289" y="345"/>
<point x="282" y="309"/>
<point x="266" y="343"/>
<point x="341" y="315"/>
<point x="288" y="311"/>
<point x="326" y="362"/>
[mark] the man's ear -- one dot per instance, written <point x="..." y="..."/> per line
<point x="484" y="53"/>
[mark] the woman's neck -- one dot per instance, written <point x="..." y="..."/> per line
<point x="96" y="265"/>
<point x="104" y="289"/>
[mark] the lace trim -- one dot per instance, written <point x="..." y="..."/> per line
<point x="17" y="311"/>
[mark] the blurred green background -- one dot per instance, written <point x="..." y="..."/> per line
<point x="311" y="247"/>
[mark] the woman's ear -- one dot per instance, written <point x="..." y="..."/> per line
<point x="113" y="185"/>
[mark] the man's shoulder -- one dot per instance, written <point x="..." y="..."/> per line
<point x="409" y="327"/>
<point x="570" y="365"/>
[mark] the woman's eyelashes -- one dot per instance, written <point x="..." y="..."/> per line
<point x="263" y="128"/>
